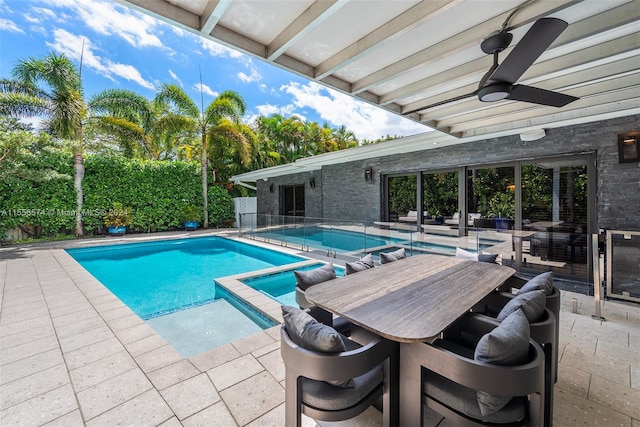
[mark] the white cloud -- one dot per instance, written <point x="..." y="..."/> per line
<point x="218" y="50"/>
<point x="112" y="20"/>
<point x="254" y="76"/>
<point x="71" y="45"/>
<point x="201" y="87"/>
<point x="175" y="77"/>
<point x="366" y="121"/>
<point x="9" y="25"/>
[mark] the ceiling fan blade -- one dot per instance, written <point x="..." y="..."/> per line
<point x="437" y="104"/>
<point x="539" y="37"/>
<point x="540" y="96"/>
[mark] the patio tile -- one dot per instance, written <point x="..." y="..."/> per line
<point x="33" y="385"/>
<point x="90" y="353"/>
<point x="253" y="397"/>
<point x="266" y="349"/>
<point x="135" y="333"/>
<point x="172" y="422"/>
<point x="39" y="306"/>
<point x="108" y="305"/>
<point x="103" y="369"/>
<point x="85" y="338"/>
<point x="623" y="399"/>
<point x="275" y="417"/>
<point x="77" y="316"/>
<point x="234" y="371"/>
<point x="72" y="419"/>
<point x="146" y="409"/>
<point x="30" y="365"/>
<point x="117" y="313"/>
<point x="172" y="374"/>
<point x="573" y="380"/>
<point x="76" y="328"/>
<point x="635" y="377"/>
<point x="112" y="392"/>
<point x="158" y="358"/>
<point x="22" y="315"/>
<point x="41" y="409"/>
<point x="573" y="410"/>
<point x="145" y="345"/>
<point x="274" y="364"/>
<point x="71" y="308"/>
<point x="253" y="342"/>
<point x="599" y="365"/>
<point x="25" y="337"/>
<point x="25" y="325"/>
<point x="125" y="322"/>
<point x="215" y="415"/>
<point x="190" y="396"/>
<point x="215" y="357"/>
<point x="622" y="353"/>
<point x="8" y="355"/>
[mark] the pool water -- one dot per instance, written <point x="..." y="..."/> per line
<point x="328" y="238"/>
<point x="157" y="278"/>
<point x="281" y="286"/>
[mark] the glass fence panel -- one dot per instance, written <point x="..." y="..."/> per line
<point x="623" y="264"/>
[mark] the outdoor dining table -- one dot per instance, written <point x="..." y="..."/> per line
<point x="410" y="301"/>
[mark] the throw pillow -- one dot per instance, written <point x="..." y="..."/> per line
<point x="542" y="281"/>
<point x="532" y="304"/>
<point x="364" y="264"/>
<point x="309" y="334"/>
<point x="392" y="256"/>
<point x="307" y="278"/>
<point x="507" y="344"/>
<point x="464" y="254"/>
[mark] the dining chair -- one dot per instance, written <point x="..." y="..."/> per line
<point x="542" y="331"/>
<point x="463" y="382"/>
<point x="308" y="373"/>
<point x="516" y="284"/>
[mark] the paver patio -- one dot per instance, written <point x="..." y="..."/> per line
<point x="72" y="354"/>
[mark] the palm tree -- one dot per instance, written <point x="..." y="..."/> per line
<point x="50" y="87"/>
<point x="214" y="123"/>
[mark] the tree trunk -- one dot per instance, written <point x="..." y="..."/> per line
<point x="78" y="166"/>
<point x="205" y="193"/>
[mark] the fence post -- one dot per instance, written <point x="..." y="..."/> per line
<point x="597" y="277"/>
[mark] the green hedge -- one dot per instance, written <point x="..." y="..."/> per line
<point x="154" y="190"/>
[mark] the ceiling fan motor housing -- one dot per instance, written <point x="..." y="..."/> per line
<point x="496" y="42"/>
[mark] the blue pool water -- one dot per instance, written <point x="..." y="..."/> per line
<point x="328" y="238"/>
<point x="281" y="286"/>
<point x="157" y="278"/>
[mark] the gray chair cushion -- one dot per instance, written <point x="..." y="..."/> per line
<point x="392" y="256"/>
<point x="542" y="281"/>
<point x="532" y="304"/>
<point x="507" y="344"/>
<point x="307" y="278"/>
<point x="364" y="264"/>
<point x="309" y="334"/>
<point x="464" y="400"/>
<point x="319" y="394"/>
<point x="464" y="254"/>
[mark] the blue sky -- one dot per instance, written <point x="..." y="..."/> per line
<point x="128" y="50"/>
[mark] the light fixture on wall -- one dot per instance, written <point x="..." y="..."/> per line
<point x="629" y="147"/>
<point x="271" y="188"/>
<point x="511" y="187"/>
<point x="368" y="174"/>
<point x="312" y="182"/>
<point x="532" y="135"/>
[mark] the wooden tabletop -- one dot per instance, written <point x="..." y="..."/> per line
<point x="410" y="300"/>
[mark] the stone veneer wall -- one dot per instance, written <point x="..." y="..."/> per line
<point x="342" y="192"/>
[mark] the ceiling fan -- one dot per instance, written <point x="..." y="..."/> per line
<point x="500" y="81"/>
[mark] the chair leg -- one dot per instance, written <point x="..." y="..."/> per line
<point x="292" y="402"/>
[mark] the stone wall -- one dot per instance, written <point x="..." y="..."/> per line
<point x="343" y="193"/>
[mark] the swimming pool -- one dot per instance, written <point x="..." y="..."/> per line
<point x="280" y="286"/>
<point x="328" y="238"/>
<point x="156" y="278"/>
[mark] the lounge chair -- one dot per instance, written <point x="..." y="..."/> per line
<point x="455" y="220"/>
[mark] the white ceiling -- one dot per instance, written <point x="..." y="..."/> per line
<point x="403" y="55"/>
